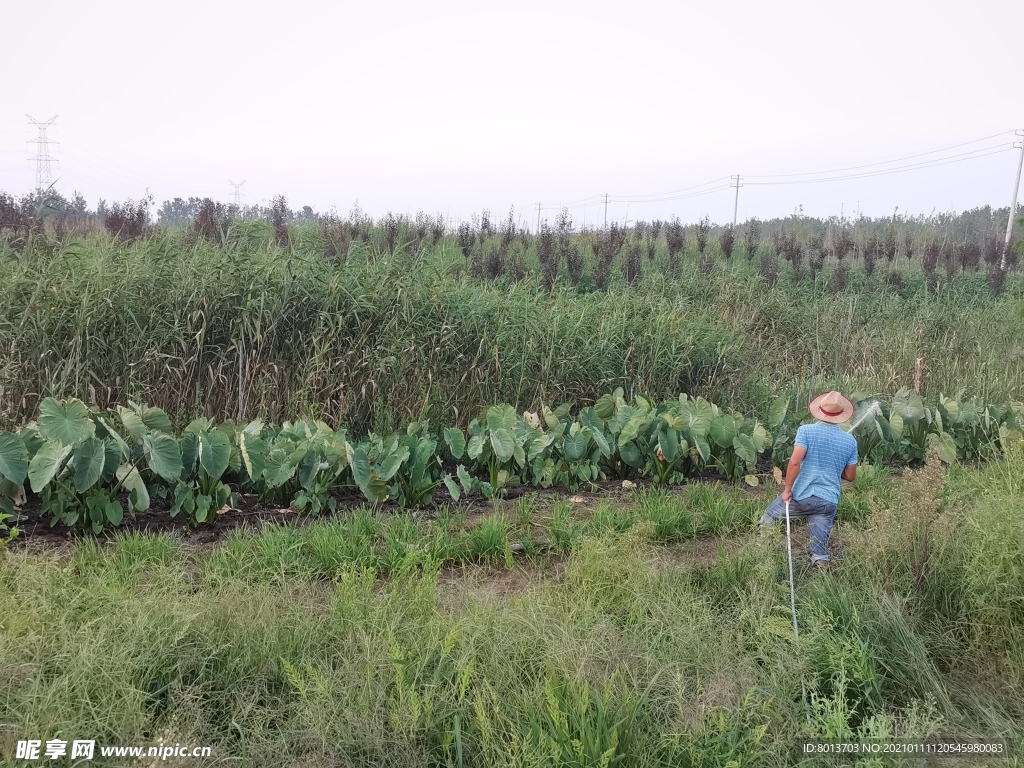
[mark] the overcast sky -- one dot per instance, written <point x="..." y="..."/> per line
<point x="454" y="107"/>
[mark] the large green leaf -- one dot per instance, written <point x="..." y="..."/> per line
<point x="744" y="447"/>
<point x="475" y="447"/>
<point x="909" y="405"/>
<point x="360" y="467"/>
<point x="30" y="436"/>
<point x="668" y="441"/>
<point x="114" y="512"/>
<point x="630" y="454"/>
<point x="501" y="417"/>
<point x="723" y="430"/>
<point x="46" y="463"/>
<point x="105" y="429"/>
<point x="67" y="423"/>
<point x="896" y="426"/>
<point x="279" y="470"/>
<point x="214" y="453"/>
<point x="252" y="449"/>
<point x="163" y="455"/>
<point x="88" y="463"/>
<point x="140" y="420"/>
<point x="309" y="467"/>
<point x="456" y="442"/>
<point x="944" y="445"/>
<point x="464" y="478"/>
<point x="605" y="407"/>
<point x="760" y="437"/>
<point x="452" y="486"/>
<point x="387" y="468"/>
<point x="702" y="413"/>
<point x="13" y="458"/>
<point x="503" y="444"/>
<point x="575" y="447"/>
<point x="777" y="412"/>
<point x="374" y="489"/>
<point x="593" y="422"/>
<point x="131" y="481"/>
<point x="551" y="419"/>
<point x="189" y="445"/>
<point x="703" y="449"/>
<point x="154" y="418"/>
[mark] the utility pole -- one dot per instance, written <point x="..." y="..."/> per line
<point x="538" y="218"/>
<point x="736" y="205"/>
<point x="1013" y="203"/>
<point x="42" y="158"/>
<point x="238" y="192"/>
<point x="606" y="210"/>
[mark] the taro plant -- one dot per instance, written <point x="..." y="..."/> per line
<point x="205" y="457"/>
<point x="736" y="443"/>
<point x="13" y="471"/>
<point x="79" y="462"/>
<point x="420" y="472"/>
<point x="298" y="464"/>
<point x="577" y="447"/>
<point x="971" y="429"/>
<point x="910" y="421"/>
<point x="497" y="447"/>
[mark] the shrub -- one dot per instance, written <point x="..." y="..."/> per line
<point x="837" y="283"/>
<point x="702" y="228"/>
<point x="547" y="252"/>
<point x="890" y="243"/>
<point x="930" y="262"/>
<point x="608" y="246"/>
<point x="769" y="267"/>
<point x="464" y="238"/>
<point x="727" y="241"/>
<point x="128" y="221"/>
<point x="996" y="279"/>
<point x="211" y="221"/>
<point x="280" y="215"/>
<point x="894" y="280"/>
<point x="752" y="238"/>
<point x="675" y="237"/>
<point x="390" y="226"/>
<point x="870" y="253"/>
<point x="633" y="268"/>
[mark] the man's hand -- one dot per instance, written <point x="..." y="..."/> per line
<point x="787" y="495"/>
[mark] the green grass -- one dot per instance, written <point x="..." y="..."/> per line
<point x="342" y="642"/>
<point x="251" y="329"/>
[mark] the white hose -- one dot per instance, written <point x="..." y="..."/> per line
<point x="792" y="605"/>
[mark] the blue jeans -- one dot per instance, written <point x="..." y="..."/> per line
<point x="820" y="514"/>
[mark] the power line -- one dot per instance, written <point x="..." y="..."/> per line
<point x="43" y="176"/>
<point x="886" y="172"/>
<point x="678" y="197"/>
<point x="881" y="162"/>
<point x="678" y="191"/>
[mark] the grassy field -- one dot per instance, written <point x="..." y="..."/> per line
<point x="644" y="627"/>
<point x="380" y="339"/>
<point x="648" y="630"/>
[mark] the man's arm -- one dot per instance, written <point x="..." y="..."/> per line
<point x="850" y="473"/>
<point x="792" y="470"/>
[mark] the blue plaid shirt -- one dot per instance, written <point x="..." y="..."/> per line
<point x="829" y="451"/>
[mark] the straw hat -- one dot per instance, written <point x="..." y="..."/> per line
<point x="833" y="407"/>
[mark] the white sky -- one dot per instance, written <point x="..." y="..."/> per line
<point x="457" y="106"/>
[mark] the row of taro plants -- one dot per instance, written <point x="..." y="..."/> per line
<point x="88" y="466"/>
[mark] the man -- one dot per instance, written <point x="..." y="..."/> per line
<point x="822" y="455"/>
